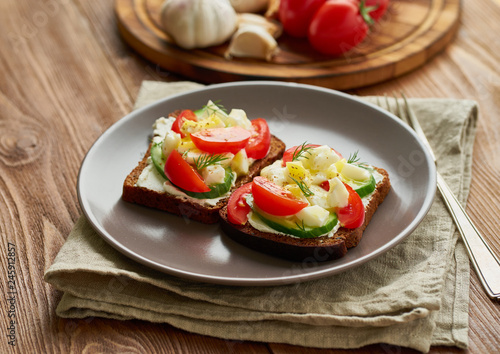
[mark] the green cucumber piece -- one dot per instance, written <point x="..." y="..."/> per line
<point x="158" y="158"/>
<point x="286" y="226"/>
<point x="211" y="108"/>
<point x="363" y="188"/>
<point x="216" y="190"/>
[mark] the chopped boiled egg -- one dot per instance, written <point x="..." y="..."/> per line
<point x="186" y="145"/>
<point x="319" y="177"/>
<point x="339" y="165"/>
<point x="213" y="121"/>
<point x="296" y="191"/>
<point x="297" y="172"/>
<point x="171" y="142"/>
<point x="354" y="172"/>
<point x="313" y="216"/>
<point x="337" y="196"/>
<point x="213" y="174"/>
<point x="240" y="163"/>
<point x="238" y="117"/>
<point x="322" y="157"/>
<point x="331" y="172"/>
<point x="319" y="197"/>
<point x="275" y="173"/>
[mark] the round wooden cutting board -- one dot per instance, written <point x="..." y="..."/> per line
<point x="411" y="33"/>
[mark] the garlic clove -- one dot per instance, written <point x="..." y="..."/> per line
<point x="273" y="9"/>
<point x="273" y="27"/>
<point x="252" y="41"/>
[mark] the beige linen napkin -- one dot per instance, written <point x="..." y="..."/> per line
<point x="415" y="295"/>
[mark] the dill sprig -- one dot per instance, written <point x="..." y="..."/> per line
<point x="300" y="151"/>
<point x="302" y="227"/>
<point x="354" y="159"/>
<point x="303" y="187"/>
<point x="218" y="105"/>
<point x="205" y="160"/>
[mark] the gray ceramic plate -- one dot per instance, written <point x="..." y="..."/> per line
<point x="296" y="113"/>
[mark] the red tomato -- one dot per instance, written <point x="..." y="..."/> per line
<point x="295" y="15"/>
<point x="260" y="141"/>
<point x="290" y="153"/>
<point x="352" y="215"/>
<point x="377" y="8"/>
<point x="220" y="140"/>
<point x="180" y="173"/>
<point x="325" y="185"/>
<point x="186" y="114"/>
<point x="337" y="27"/>
<point x="237" y="207"/>
<point x="274" y="199"/>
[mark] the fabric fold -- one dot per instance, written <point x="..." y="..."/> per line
<point x="415" y="295"/>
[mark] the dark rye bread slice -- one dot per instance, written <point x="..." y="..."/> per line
<point x="186" y="206"/>
<point x="317" y="249"/>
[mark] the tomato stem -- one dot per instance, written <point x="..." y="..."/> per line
<point x="365" y="12"/>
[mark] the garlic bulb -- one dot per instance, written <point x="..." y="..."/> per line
<point x="198" y="23"/>
<point x="252" y="41"/>
<point x="249" y="5"/>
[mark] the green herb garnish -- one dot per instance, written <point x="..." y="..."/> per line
<point x="353" y="158"/>
<point x="301" y="227"/>
<point x="303" y="187"/>
<point x="218" y="105"/>
<point x="301" y="151"/>
<point x="205" y="160"/>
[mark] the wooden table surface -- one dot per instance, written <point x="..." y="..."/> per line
<point x="66" y="76"/>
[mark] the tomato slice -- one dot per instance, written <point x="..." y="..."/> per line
<point x="183" y="175"/>
<point x="352" y="215"/>
<point x="219" y="140"/>
<point x="274" y="199"/>
<point x="186" y="114"/>
<point x="237" y="207"/>
<point x="260" y="141"/>
<point x="290" y="153"/>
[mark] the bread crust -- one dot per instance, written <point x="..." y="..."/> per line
<point x="186" y="206"/>
<point x="312" y="249"/>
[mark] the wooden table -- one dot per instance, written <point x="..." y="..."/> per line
<point x="66" y="76"/>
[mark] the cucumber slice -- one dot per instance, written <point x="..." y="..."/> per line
<point x="363" y="188"/>
<point x="216" y="190"/>
<point x="286" y="226"/>
<point x="158" y="158"/>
